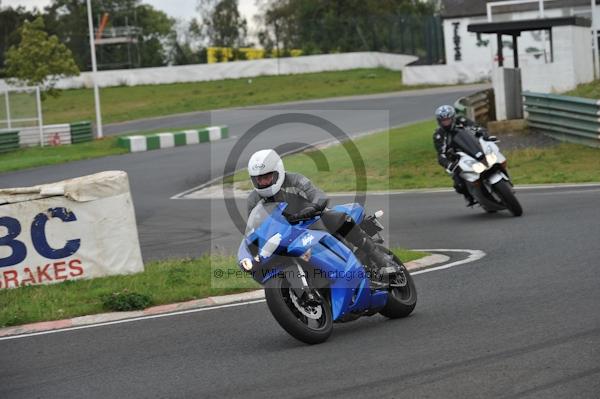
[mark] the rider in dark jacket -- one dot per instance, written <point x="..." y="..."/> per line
<point x="273" y="184"/>
<point x="448" y="123"/>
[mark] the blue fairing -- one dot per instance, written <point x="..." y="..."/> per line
<point x="356" y="211"/>
<point x="330" y="259"/>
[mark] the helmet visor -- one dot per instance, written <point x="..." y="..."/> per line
<point x="266" y="180"/>
<point x="446" y="122"/>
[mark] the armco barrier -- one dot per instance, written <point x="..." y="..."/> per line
<point x="9" y="141"/>
<point x="479" y="107"/>
<point x="68" y="230"/>
<point x="81" y="132"/>
<point x="566" y="118"/>
<point x="167" y="140"/>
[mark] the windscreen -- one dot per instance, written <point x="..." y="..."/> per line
<point x="467" y="143"/>
<point x="259" y="214"/>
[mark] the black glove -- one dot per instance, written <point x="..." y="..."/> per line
<point x="452" y="166"/>
<point x="305" y="213"/>
<point x="491" y="138"/>
<point x="479" y="131"/>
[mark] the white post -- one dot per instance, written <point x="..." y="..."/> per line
<point x="541" y="8"/>
<point x="8" y="110"/>
<point x="93" y="51"/>
<point x="38" y="99"/>
<point x="595" y="42"/>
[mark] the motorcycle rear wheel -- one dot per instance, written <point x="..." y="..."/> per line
<point x="286" y="310"/>
<point x="401" y="300"/>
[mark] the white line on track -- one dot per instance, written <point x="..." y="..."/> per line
<point x="108" y="323"/>
<point x="474" y="255"/>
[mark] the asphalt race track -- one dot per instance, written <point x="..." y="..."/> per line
<point x="522" y="322"/>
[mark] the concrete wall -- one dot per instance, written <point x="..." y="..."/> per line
<point x="239" y="69"/>
<point x="471" y="58"/>
<point x="572" y="63"/>
<point x="531" y="44"/>
<point x="446" y="74"/>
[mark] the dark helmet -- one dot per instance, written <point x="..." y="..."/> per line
<point x="446" y="117"/>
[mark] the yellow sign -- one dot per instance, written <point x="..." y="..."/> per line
<point x="226" y="54"/>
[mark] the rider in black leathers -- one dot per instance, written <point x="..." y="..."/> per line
<point x="448" y="123"/>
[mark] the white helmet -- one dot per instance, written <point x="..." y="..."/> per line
<point x="266" y="172"/>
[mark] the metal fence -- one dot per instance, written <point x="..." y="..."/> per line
<point x="9" y="141"/>
<point x="565" y="118"/>
<point x="479" y="107"/>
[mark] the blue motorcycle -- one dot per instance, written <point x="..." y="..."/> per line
<point x="313" y="279"/>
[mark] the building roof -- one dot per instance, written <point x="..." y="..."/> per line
<point x="516" y="27"/>
<point x="473" y="8"/>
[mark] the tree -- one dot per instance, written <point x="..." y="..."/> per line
<point x="68" y="20"/>
<point x="39" y="59"/>
<point x="224" y="25"/>
<point x="157" y="27"/>
<point x="341" y="25"/>
<point x="187" y="45"/>
<point x="280" y="27"/>
<point x="11" y="20"/>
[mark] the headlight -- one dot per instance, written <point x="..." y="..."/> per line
<point x="246" y="264"/>
<point x="478" y="167"/>
<point x="491" y="158"/>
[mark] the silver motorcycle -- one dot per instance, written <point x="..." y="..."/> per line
<point x="483" y="169"/>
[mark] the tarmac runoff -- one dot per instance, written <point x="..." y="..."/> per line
<point x="419" y="266"/>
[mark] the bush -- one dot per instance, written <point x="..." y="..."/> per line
<point x="125" y="300"/>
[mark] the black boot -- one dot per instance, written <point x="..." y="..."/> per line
<point x="342" y="225"/>
<point x="378" y="263"/>
<point x="470" y="200"/>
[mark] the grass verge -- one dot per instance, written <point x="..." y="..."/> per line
<point x="41" y="156"/>
<point x="162" y="282"/>
<point x="128" y="103"/>
<point x="586" y="90"/>
<point x="405" y="158"/>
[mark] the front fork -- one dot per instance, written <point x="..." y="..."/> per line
<point x="296" y="276"/>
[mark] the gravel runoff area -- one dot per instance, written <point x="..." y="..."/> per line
<point x="521" y="140"/>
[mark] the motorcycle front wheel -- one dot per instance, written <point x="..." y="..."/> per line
<point x="504" y="190"/>
<point x="309" y="324"/>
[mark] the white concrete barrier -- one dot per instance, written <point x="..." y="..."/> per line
<point x="450" y="74"/>
<point x="573" y="63"/>
<point x="73" y="229"/>
<point x="239" y="69"/>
